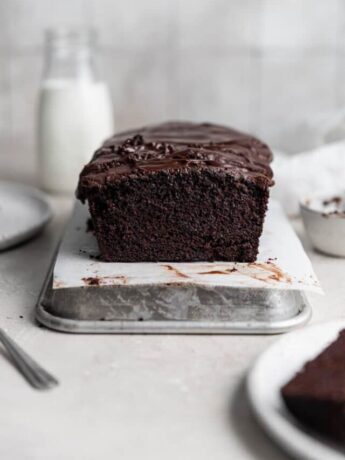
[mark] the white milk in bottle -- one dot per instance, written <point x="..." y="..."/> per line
<point x="75" y="110"/>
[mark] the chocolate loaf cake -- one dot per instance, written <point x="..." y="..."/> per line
<point x="316" y="395"/>
<point x="178" y="192"/>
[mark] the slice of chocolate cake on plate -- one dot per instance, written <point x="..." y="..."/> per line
<point x="316" y="394"/>
<point x="178" y="192"/>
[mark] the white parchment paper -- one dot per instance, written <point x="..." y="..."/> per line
<point x="282" y="262"/>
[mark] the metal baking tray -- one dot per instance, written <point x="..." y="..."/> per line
<point x="171" y="309"/>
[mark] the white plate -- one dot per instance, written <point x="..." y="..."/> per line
<point x="23" y="213"/>
<point x="271" y="371"/>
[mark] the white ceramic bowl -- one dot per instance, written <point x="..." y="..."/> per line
<point x="325" y="229"/>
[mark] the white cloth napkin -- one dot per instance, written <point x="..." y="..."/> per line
<point x="320" y="171"/>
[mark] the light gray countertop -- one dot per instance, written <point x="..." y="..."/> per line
<point x="128" y="397"/>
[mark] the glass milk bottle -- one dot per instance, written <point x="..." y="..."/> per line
<point x="75" y="110"/>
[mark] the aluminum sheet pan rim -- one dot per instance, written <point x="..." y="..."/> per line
<point x="170" y="326"/>
<point x="173" y="326"/>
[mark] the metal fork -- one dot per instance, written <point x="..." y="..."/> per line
<point x="33" y="372"/>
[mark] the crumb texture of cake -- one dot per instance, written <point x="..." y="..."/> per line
<point x="178" y="191"/>
<point x="316" y="395"/>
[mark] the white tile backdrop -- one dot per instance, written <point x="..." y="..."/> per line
<point x="259" y="65"/>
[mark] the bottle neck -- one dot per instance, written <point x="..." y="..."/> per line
<point x="70" y="55"/>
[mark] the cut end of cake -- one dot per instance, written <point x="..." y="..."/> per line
<point x="178" y="192"/>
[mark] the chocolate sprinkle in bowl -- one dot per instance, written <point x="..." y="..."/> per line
<point x="324" y="222"/>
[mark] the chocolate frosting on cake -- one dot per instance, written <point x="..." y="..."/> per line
<point x="177" y="146"/>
